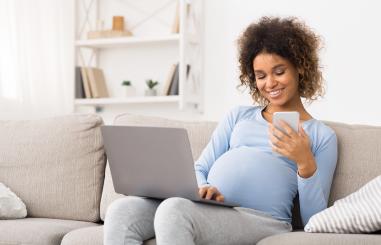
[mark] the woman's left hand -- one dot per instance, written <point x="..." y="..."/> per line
<point x="295" y="146"/>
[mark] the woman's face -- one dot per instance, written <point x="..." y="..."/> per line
<point x="277" y="79"/>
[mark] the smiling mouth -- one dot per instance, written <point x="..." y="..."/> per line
<point x="275" y="93"/>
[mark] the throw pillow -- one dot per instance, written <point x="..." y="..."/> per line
<point x="357" y="213"/>
<point x="11" y="206"/>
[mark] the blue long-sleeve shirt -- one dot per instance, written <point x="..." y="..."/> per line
<point x="240" y="162"/>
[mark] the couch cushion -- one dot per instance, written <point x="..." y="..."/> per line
<point x="89" y="236"/>
<point x="55" y="165"/>
<point x="36" y="231"/>
<point x="359" y="158"/>
<point x="302" y="238"/>
<point x="84" y="236"/>
<point x="357" y="213"/>
<point x="11" y="206"/>
<point x="198" y="132"/>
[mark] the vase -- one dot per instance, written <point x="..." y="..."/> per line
<point x="130" y="91"/>
<point x="150" y="92"/>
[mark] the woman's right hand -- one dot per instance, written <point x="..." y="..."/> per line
<point x="210" y="193"/>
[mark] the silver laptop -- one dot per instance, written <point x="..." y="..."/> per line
<point x="153" y="162"/>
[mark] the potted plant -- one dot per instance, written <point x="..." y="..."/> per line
<point x="151" y="91"/>
<point x="130" y="90"/>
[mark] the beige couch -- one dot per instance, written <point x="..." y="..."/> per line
<point x="58" y="168"/>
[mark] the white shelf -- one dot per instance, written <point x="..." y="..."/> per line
<point x="148" y="55"/>
<point x="125" y="41"/>
<point x="131" y="100"/>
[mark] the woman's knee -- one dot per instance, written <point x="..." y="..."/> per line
<point x="129" y="220"/>
<point x="118" y="206"/>
<point x="128" y="205"/>
<point x="172" y="208"/>
<point x="174" y="222"/>
<point x="174" y="204"/>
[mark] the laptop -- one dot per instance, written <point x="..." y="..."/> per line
<point x="154" y="162"/>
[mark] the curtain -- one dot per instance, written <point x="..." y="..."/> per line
<point x="36" y="58"/>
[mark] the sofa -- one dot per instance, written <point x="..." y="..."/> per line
<point x="58" y="167"/>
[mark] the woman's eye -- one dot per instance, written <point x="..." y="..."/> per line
<point x="260" y="77"/>
<point x="280" y="72"/>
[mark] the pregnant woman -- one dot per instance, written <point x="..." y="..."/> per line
<point x="247" y="160"/>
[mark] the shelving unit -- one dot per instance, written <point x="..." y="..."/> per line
<point x="165" y="48"/>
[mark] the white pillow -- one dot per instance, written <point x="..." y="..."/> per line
<point x="11" y="206"/>
<point x="360" y="212"/>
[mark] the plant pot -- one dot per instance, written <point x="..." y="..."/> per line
<point x="130" y="91"/>
<point x="150" y="92"/>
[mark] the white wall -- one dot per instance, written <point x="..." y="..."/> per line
<point x="351" y="57"/>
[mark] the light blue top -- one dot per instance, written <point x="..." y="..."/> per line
<point x="239" y="161"/>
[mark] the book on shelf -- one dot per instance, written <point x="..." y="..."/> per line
<point x="174" y="88"/>
<point x="97" y="83"/>
<point x="79" y="90"/>
<point x="92" y="82"/>
<point x="85" y="81"/>
<point x="168" y="81"/>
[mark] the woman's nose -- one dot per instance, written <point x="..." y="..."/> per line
<point x="271" y="82"/>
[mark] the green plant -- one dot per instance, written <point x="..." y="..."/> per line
<point x="126" y="83"/>
<point x="151" y="83"/>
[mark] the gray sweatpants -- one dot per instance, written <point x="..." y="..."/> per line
<point x="132" y="220"/>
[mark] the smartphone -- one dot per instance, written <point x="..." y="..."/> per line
<point x="289" y="117"/>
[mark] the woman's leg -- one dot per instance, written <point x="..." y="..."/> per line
<point x="180" y="221"/>
<point x="129" y="220"/>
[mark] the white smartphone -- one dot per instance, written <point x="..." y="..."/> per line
<point x="290" y="117"/>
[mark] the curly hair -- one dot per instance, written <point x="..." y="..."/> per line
<point x="290" y="39"/>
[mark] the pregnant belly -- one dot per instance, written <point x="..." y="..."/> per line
<point x="253" y="178"/>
